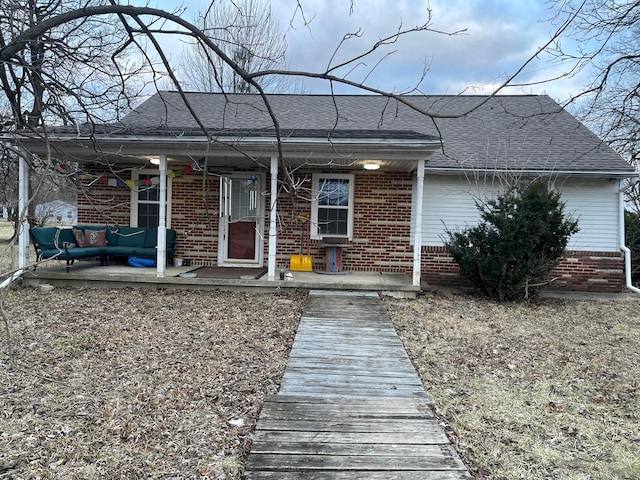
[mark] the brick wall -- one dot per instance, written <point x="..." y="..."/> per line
<point x="578" y="271"/>
<point x="382" y="223"/>
<point x="103" y="205"/>
<point x="195" y="215"/>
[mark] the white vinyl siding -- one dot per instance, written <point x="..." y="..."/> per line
<point x="595" y="204"/>
<point x="449" y="202"/>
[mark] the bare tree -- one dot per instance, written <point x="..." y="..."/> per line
<point x="63" y="74"/>
<point x="72" y="73"/>
<point x="250" y="35"/>
<point x="604" y="38"/>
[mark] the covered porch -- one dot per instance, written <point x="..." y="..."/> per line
<point x="89" y="274"/>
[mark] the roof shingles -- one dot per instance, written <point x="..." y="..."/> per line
<point x="503" y="132"/>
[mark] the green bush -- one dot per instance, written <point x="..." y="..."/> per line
<point x="520" y="240"/>
<point x="632" y="241"/>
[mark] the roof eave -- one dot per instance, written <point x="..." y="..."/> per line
<point x="533" y="172"/>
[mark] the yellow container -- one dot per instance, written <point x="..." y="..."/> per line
<point x="301" y="263"/>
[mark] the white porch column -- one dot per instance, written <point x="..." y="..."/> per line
<point x="417" y="241"/>
<point x="23" y="203"/>
<point x="161" y="255"/>
<point x="273" y="231"/>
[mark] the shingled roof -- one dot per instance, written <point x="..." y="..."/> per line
<point x="515" y="133"/>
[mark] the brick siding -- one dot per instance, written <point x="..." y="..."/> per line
<point x="381" y="243"/>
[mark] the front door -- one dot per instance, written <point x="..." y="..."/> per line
<point x="241" y="220"/>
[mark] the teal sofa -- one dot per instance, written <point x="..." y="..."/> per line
<point x="60" y="242"/>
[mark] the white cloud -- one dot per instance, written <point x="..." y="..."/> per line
<point x="500" y="36"/>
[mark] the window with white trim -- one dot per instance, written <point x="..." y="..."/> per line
<point x="332" y="205"/>
<point x="145" y="199"/>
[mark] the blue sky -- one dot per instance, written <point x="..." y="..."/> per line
<point x="500" y="36"/>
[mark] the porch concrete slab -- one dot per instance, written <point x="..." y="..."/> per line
<point x="92" y="275"/>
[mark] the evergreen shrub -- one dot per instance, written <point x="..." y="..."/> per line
<point x="520" y="240"/>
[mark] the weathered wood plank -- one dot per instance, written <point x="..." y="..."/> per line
<point x="433" y="436"/>
<point x="349" y="425"/>
<point x="441" y="454"/>
<point x="390" y="404"/>
<point x="358" y="475"/>
<point x="352" y="462"/>
<point x="292" y="412"/>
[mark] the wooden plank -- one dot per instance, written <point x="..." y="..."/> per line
<point x="349" y="425"/>
<point x="441" y="454"/>
<point x="358" y="475"/>
<point x="352" y="462"/>
<point x="432" y="436"/>
<point x="383" y="404"/>
<point x="370" y="379"/>
<point x="294" y="412"/>
<point x="362" y="377"/>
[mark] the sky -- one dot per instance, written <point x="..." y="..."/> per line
<point x="496" y="38"/>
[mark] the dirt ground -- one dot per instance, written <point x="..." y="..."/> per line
<point x="105" y="384"/>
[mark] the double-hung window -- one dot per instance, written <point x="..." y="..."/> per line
<point x="332" y="206"/>
<point x="145" y="199"/>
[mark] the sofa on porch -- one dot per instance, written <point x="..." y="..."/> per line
<point x="93" y="241"/>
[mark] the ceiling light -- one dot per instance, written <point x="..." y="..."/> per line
<point x="371" y="166"/>
<point x="155" y="161"/>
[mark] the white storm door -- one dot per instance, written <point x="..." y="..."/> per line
<point x="241" y="236"/>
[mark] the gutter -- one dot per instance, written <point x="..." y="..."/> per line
<point x="561" y="173"/>
<point x="623" y="247"/>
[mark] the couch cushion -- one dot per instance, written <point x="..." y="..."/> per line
<point x="45" y="237"/>
<point x="52" y="252"/>
<point x="84" y="252"/>
<point x="120" y="251"/>
<point x="95" y="238"/>
<point x="171" y="238"/>
<point x="151" y="238"/>
<point x="112" y="236"/>
<point x="81" y="240"/>
<point x="145" y="252"/>
<point x="131" y="237"/>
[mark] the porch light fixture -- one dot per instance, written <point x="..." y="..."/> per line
<point x="155" y="161"/>
<point x="371" y="166"/>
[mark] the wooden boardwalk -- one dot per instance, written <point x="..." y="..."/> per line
<point x="351" y="405"/>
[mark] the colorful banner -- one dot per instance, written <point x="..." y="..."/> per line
<point x="117" y="182"/>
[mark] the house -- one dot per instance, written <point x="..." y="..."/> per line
<point x="357" y="181"/>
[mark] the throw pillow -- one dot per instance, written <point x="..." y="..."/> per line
<point x="96" y="238"/>
<point x="80" y="238"/>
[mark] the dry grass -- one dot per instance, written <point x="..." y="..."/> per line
<point x="541" y="391"/>
<point x="157" y="384"/>
<point x="137" y="384"/>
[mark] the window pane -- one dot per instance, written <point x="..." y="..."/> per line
<point x="332" y="221"/>
<point x="148" y="192"/>
<point x="333" y="191"/>
<point x="148" y="215"/>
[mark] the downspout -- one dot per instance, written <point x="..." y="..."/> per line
<point x="623" y="247"/>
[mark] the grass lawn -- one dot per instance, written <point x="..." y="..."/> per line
<point x="547" y="390"/>
<point x="169" y="384"/>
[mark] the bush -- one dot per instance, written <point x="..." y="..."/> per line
<point x="520" y="240"/>
<point x="632" y="241"/>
